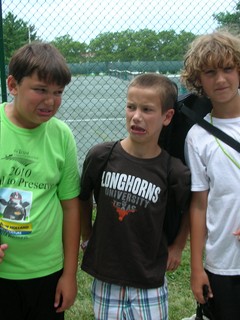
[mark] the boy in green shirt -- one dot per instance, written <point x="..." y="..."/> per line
<point x="39" y="188"/>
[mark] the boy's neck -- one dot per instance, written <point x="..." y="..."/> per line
<point x="227" y="110"/>
<point x="139" y="150"/>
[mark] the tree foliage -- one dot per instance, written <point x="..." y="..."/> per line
<point x="73" y="51"/>
<point x="229" y="20"/>
<point x="142" y="45"/>
<point x="128" y="45"/>
<point x="16" y="33"/>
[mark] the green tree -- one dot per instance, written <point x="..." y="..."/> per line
<point x="16" y="33"/>
<point x="73" y="51"/>
<point x="104" y="47"/>
<point x="172" y="46"/>
<point x="142" y="45"/>
<point x="229" y="20"/>
<point x="126" y="45"/>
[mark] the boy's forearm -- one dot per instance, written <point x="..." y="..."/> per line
<point x="198" y="237"/>
<point x="198" y="229"/>
<point x="183" y="233"/>
<point x="71" y="235"/>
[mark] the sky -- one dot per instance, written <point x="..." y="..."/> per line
<point x="83" y="20"/>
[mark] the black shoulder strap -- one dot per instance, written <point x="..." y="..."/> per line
<point x="99" y="177"/>
<point x="209" y="127"/>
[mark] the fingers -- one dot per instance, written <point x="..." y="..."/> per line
<point x="199" y="297"/>
<point x="57" y="299"/>
<point x="174" y="260"/>
<point x="172" y="266"/>
<point x="64" y="299"/>
<point x="3" y="247"/>
<point x="237" y="234"/>
<point x="62" y="304"/>
<point x="203" y="294"/>
<point x="210" y="293"/>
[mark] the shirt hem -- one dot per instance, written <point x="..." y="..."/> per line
<point x="223" y="272"/>
<point x="30" y="276"/>
<point x="124" y="282"/>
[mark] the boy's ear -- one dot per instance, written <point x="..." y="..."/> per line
<point x="168" y="116"/>
<point x="12" y="85"/>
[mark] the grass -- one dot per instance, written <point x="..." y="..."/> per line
<point x="181" y="301"/>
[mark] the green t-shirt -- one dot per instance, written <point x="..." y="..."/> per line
<point x="38" y="168"/>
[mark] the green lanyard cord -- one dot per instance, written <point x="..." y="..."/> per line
<point x="224" y="151"/>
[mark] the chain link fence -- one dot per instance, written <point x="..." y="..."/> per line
<point x="106" y="43"/>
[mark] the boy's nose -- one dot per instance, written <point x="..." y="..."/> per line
<point x="49" y="101"/>
<point x="220" y="76"/>
<point x="137" y="115"/>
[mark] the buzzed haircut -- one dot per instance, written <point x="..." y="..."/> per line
<point x="166" y="88"/>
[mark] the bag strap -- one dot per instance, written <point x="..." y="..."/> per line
<point x="209" y="127"/>
<point x="99" y="177"/>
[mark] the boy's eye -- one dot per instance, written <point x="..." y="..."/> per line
<point x="40" y="89"/>
<point x="209" y="71"/>
<point x="130" y="107"/>
<point x="146" y="109"/>
<point x="58" y="93"/>
<point x="228" y="69"/>
<point x="44" y="90"/>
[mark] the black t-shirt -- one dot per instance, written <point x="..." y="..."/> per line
<point x="128" y="245"/>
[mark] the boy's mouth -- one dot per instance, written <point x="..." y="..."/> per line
<point x="137" y="129"/>
<point x="45" y="112"/>
<point x="221" y="89"/>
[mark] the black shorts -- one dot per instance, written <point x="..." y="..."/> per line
<point x="31" y="299"/>
<point x="225" y="304"/>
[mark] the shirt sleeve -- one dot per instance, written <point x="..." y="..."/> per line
<point x="199" y="178"/>
<point x="69" y="186"/>
<point x="87" y="179"/>
<point x="180" y="183"/>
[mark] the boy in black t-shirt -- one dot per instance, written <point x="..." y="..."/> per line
<point x="126" y="249"/>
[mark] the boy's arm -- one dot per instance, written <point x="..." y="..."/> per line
<point x="67" y="284"/>
<point x="198" y="208"/>
<point x="176" y="248"/>
<point x="86" y="208"/>
<point x="179" y="184"/>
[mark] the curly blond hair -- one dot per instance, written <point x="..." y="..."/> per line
<point x="216" y="50"/>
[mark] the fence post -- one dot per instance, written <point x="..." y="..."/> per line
<point x="2" y="59"/>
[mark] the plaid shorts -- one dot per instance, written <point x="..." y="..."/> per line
<point x="113" y="302"/>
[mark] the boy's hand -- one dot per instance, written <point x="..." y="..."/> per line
<point x="174" y="257"/>
<point x="66" y="292"/>
<point x="198" y="281"/>
<point x="3" y="247"/>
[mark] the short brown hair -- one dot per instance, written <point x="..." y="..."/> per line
<point x="215" y="50"/>
<point x="42" y="58"/>
<point x="166" y="88"/>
